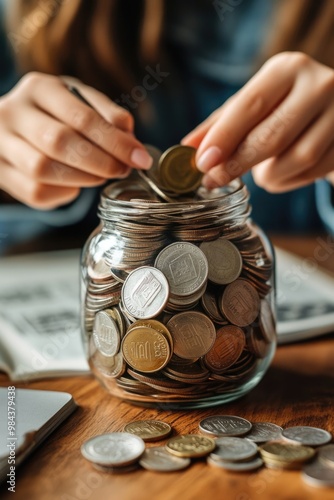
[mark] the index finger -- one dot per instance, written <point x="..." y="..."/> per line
<point x="242" y="113"/>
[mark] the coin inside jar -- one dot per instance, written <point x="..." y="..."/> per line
<point x="224" y="260"/>
<point x="146" y="350"/>
<point x="145" y="292"/>
<point x="240" y="302"/>
<point x="193" y="334"/>
<point x="106" y="334"/>
<point x="228" y="346"/>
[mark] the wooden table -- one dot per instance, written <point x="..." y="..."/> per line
<point x="297" y="390"/>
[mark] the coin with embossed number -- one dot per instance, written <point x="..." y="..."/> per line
<point x="264" y="431"/>
<point x="308" y="436"/>
<point x="224" y="259"/>
<point x="234" y="449"/>
<point x="145" y="349"/>
<point x="225" y="425"/>
<point x="149" y="430"/>
<point x="160" y="460"/>
<point x="240" y="302"/>
<point x="145" y="292"/>
<point x="193" y="334"/>
<point x="185" y="267"/>
<point x="190" y="445"/>
<point x="115" y="449"/>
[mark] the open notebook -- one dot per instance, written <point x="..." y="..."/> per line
<point x="39" y="311"/>
<point x="37" y="414"/>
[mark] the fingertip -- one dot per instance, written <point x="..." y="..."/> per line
<point x="208" y="159"/>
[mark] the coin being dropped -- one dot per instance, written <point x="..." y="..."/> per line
<point x="190" y="445"/>
<point x="159" y="459"/>
<point x="308" y="436"/>
<point x="256" y="463"/>
<point x="225" y="425"/>
<point x="264" y="431"/>
<point x="116" y="449"/>
<point x="234" y="449"/>
<point x="149" y="430"/>
<point x="178" y="171"/>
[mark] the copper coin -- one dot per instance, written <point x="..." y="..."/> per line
<point x="224" y="259"/>
<point x="226" y="350"/>
<point x="240" y="302"/>
<point x="146" y="350"/>
<point x="193" y="334"/>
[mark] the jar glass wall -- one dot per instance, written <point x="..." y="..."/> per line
<point x="177" y="298"/>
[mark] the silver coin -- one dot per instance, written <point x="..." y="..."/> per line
<point x="308" y="436"/>
<point x="264" y="431"/>
<point x="106" y="334"/>
<point x="224" y="259"/>
<point x="316" y="474"/>
<point x="234" y="449"/>
<point x="256" y="463"/>
<point x="115" y="449"/>
<point x="145" y="292"/>
<point x="185" y="267"/>
<point x="225" y="425"/>
<point x="326" y="454"/>
<point x="158" y="459"/>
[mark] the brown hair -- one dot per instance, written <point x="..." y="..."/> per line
<point x="100" y="43"/>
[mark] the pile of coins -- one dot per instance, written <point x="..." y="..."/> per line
<point x="177" y="292"/>
<point x="231" y="443"/>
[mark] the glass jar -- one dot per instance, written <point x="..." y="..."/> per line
<point x="177" y="298"/>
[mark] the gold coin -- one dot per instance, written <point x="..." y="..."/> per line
<point x="155" y="325"/>
<point x="149" y="430"/>
<point x="190" y="445"/>
<point x="177" y="170"/>
<point x="286" y="453"/>
<point x="145" y="349"/>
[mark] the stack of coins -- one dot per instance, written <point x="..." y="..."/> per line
<point x="177" y="287"/>
<point x="230" y="443"/>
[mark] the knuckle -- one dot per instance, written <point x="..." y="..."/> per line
<point x="82" y="119"/>
<point x="327" y="85"/>
<point x="55" y="138"/>
<point x="37" y="165"/>
<point x="37" y="197"/>
<point x="306" y="156"/>
<point x="299" y="60"/>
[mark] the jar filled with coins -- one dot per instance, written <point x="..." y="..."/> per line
<point x="177" y="288"/>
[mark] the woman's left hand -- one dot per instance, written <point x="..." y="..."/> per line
<point x="280" y="125"/>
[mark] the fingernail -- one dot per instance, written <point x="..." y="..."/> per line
<point x="141" y="159"/>
<point x="210" y="158"/>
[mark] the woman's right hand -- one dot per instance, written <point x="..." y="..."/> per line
<point x="52" y="144"/>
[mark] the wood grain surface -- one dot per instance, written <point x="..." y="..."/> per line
<point x="298" y="389"/>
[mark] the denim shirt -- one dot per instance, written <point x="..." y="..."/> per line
<point x="213" y="47"/>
